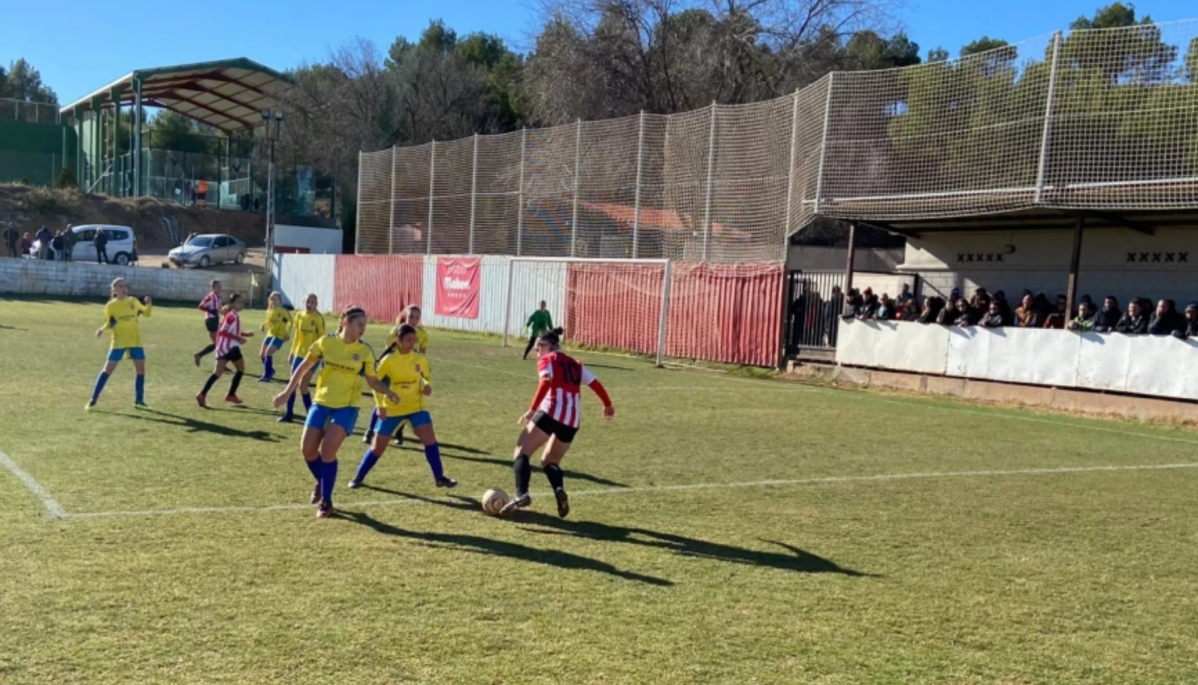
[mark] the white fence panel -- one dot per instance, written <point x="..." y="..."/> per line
<point x="912" y="347"/>
<point x="533" y="282"/>
<point x="1013" y="355"/>
<point x="492" y="288"/>
<point x="1163" y="366"/>
<point x="1103" y="359"/>
<point x="856" y="342"/>
<point x="297" y="275"/>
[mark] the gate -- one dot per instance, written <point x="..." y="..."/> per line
<point x="814" y="303"/>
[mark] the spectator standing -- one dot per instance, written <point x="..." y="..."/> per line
<point x="885" y="310"/>
<point x="1004" y="307"/>
<point x="1056" y="319"/>
<point x="69" y="239"/>
<point x="831" y="309"/>
<point x="869" y="305"/>
<point x="1167" y="320"/>
<point x="133" y="254"/>
<point x="948" y="314"/>
<point x="932" y="306"/>
<point x="59" y="245"/>
<point x="905" y="295"/>
<point x="910" y="311"/>
<point x="26" y="245"/>
<point x="1087" y="318"/>
<point x="855" y="305"/>
<point x="1191" y="323"/>
<point x="12" y="240"/>
<point x="101" y="244"/>
<point x="1134" y="322"/>
<point x="993" y="317"/>
<point x="1026" y="314"/>
<point x="966" y="318"/>
<point x="1108" y="316"/>
<point x="981" y="300"/>
<point x="44" y="238"/>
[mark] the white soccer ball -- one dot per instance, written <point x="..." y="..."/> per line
<point x="494" y="500"/>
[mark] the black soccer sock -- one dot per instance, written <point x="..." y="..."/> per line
<point x="531" y="341"/>
<point x="206" y="351"/>
<point x="523" y="471"/>
<point x="556" y="478"/>
<point x="236" y="383"/>
<point x="208" y="385"/>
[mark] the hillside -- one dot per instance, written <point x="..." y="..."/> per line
<point x="30" y="207"/>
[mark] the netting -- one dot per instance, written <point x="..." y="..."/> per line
<point x="1088" y="119"/>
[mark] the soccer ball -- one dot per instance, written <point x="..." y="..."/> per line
<point x="494" y="500"/>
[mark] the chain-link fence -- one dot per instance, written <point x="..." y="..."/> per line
<point x="33" y="112"/>
<point x="1095" y="119"/>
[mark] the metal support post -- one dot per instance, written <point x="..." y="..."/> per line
<point x="432" y="185"/>
<point x="391" y="224"/>
<point x="790" y="177"/>
<point x="138" y="189"/>
<point x="664" y="319"/>
<point x="577" y="170"/>
<point x="636" y="210"/>
<point x="823" y="143"/>
<point x="520" y="197"/>
<point x="1046" y="132"/>
<point x="358" y="214"/>
<point x="710" y="178"/>
<point x="850" y="262"/>
<point x="1074" y="265"/>
<point x="473" y="191"/>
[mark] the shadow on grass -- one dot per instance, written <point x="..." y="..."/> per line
<point x="592" y="365"/>
<point x="413" y="445"/>
<point x="196" y="426"/>
<point x="458" y="502"/>
<point x="479" y="545"/>
<point x="13" y="328"/>
<point x="795" y="559"/>
<point x="507" y="464"/>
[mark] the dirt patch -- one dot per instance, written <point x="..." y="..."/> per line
<point x="30" y="207"/>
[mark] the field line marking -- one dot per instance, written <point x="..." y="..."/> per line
<point x="822" y="480"/>
<point x="53" y="508"/>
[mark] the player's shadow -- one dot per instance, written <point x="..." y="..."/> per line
<point x="413" y="445"/>
<point x="793" y="559"/>
<point x="507" y="464"/>
<point x="475" y="544"/>
<point x="196" y="426"/>
<point x="13" y="328"/>
<point x="607" y="367"/>
<point x="458" y="502"/>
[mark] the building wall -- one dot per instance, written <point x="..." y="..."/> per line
<point x="80" y="279"/>
<point x="1115" y="262"/>
<point x="808" y="258"/>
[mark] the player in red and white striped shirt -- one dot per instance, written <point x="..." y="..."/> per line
<point x="210" y="305"/>
<point x="552" y="420"/>
<point x="229" y="339"/>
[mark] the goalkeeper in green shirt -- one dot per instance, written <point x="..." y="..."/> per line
<point x="539" y="323"/>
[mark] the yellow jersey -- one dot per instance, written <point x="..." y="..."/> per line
<point x="278" y="322"/>
<point x="120" y="317"/>
<point x="421" y="339"/>
<point x="308" y="329"/>
<point x="406" y="375"/>
<point x="345" y="367"/>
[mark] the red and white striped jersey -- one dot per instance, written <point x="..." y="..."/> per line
<point x="210" y="306"/>
<point x="566" y="377"/>
<point x="228" y="335"/>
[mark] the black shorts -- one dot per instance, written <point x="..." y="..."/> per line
<point x="211" y="324"/>
<point x="554" y="427"/>
<point x="233" y="355"/>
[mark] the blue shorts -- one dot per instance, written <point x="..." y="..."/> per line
<point x="321" y="417"/>
<point x="271" y="341"/>
<point x="137" y="354"/>
<point x="298" y="361"/>
<point x="389" y="425"/>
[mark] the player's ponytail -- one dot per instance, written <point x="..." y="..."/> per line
<point x="228" y="306"/>
<point x="551" y="338"/>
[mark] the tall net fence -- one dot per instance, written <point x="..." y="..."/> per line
<point x="1100" y="119"/>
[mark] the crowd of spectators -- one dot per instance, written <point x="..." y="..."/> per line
<point x="1030" y="311"/>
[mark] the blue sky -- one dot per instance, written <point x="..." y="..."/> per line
<point x="80" y="47"/>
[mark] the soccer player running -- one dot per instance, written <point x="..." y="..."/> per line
<point x="346" y="363"/>
<point x="540" y="322"/>
<point x="120" y="317"/>
<point x="229" y="339"/>
<point x="407" y="373"/>
<point x="409" y="316"/>
<point x="277" y="328"/>
<point x="309" y="328"/>
<point x="210" y="305"/>
<point x="552" y="420"/>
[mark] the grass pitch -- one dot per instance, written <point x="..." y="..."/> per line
<point x="724" y="530"/>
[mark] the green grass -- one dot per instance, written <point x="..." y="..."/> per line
<point x="1055" y="578"/>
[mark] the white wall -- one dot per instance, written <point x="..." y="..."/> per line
<point x="811" y="258"/>
<point x="531" y="283"/>
<point x="1039" y="261"/>
<point x="1143" y="365"/>
<point x="297" y="275"/>
<point x="316" y="240"/>
<point x="80" y="279"/>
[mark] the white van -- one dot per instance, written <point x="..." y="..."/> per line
<point x="120" y="243"/>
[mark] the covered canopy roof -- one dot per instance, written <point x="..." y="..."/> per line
<point x="226" y="94"/>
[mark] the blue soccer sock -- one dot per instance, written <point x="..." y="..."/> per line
<point x="307" y="402"/>
<point x="140" y="386"/>
<point x="328" y="479"/>
<point x="291" y="405"/>
<point x="368" y="461"/>
<point x="314" y="467"/>
<point x="269" y="362"/>
<point x="432" y="454"/>
<point x="100" y="382"/>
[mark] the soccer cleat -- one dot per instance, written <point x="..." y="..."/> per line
<point x="368" y="438"/>
<point x="325" y="510"/>
<point x="197" y="359"/>
<point x="354" y="484"/>
<point x="89" y="406"/>
<point x="446" y="482"/>
<point x="563" y="502"/>
<point x="233" y="399"/>
<point x="142" y="406"/>
<point x="265" y="379"/>
<point x="316" y="494"/>
<point x="202" y="401"/>
<point x="519" y="502"/>
<point x="286" y="418"/>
